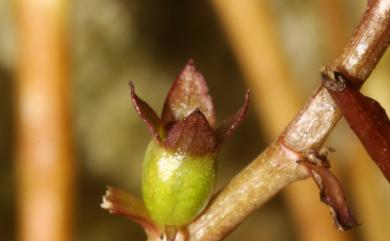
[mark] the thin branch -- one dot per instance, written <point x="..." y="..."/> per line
<point x="368" y="43"/>
<point x="249" y="28"/>
<point x="276" y="167"/>
<point x="44" y="158"/>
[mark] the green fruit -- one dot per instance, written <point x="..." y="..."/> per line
<point x="176" y="186"/>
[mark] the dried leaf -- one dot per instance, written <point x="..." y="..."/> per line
<point x="332" y="194"/>
<point x="188" y="92"/>
<point x="122" y="203"/>
<point x="147" y="114"/>
<point x="367" y="119"/>
<point x="192" y="135"/>
<point x="226" y="129"/>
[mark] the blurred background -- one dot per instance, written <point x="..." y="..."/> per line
<point x="68" y="129"/>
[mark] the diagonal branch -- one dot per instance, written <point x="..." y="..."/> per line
<point x="276" y="167"/>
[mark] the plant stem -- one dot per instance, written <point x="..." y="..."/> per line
<point x="44" y="162"/>
<point x="368" y="43"/>
<point x="257" y="183"/>
<point x="249" y="28"/>
<point x="275" y="168"/>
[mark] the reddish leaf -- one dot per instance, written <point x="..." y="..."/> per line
<point x="147" y="114"/>
<point x="125" y="204"/>
<point x="226" y="129"/>
<point x="332" y="194"/>
<point x="189" y="91"/>
<point x="192" y="135"/>
<point x="366" y="117"/>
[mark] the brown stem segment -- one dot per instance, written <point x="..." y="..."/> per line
<point x="276" y="168"/>
<point x="44" y="158"/>
<point x="368" y="43"/>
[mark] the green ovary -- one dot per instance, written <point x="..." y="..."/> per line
<point x="176" y="186"/>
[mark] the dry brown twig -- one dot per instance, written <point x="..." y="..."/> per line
<point x="44" y="163"/>
<point x="278" y="165"/>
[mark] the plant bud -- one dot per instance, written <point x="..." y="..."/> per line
<point x="176" y="186"/>
<point x="179" y="168"/>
